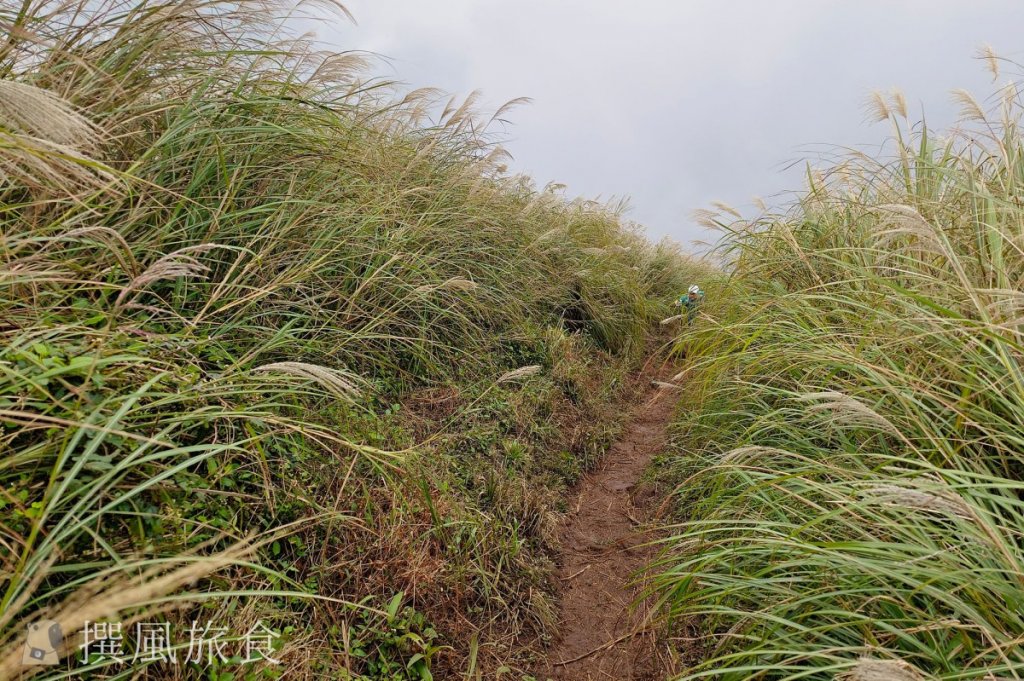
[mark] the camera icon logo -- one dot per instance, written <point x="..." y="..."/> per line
<point x="44" y="638"/>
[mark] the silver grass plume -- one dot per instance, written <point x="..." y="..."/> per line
<point x="724" y="207"/>
<point x="44" y="142"/>
<point x="902" y="219"/>
<point x="899" y="102"/>
<point x="991" y="60"/>
<point x="521" y="372"/>
<point x="921" y="500"/>
<point x="174" y="265"/>
<point x="109" y="596"/>
<point x="1006" y="305"/>
<point x="662" y="385"/>
<point x="453" y="284"/>
<point x="882" y="105"/>
<point x="548" y="234"/>
<point x="846" y="410"/>
<point x="28" y="110"/>
<point x="970" y="109"/>
<point x="708" y="219"/>
<point x="337" y="382"/>
<point x="744" y="454"/>
<point x="871" y="669"/>
<point x="110" y="238"/>
<point x="877" y="107"/>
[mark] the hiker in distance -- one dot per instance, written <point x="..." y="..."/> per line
<point x="691" y="300"/>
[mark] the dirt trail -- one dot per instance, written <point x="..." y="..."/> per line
<point x="602" y="547"/>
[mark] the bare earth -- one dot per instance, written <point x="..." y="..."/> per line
<point x="602" y="548"/>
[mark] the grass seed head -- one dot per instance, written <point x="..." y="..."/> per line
<point x="520" y="373"/>
<point x="922" y="500"/>
<point x="336" y="381"/>
<point x="871" y="669"/>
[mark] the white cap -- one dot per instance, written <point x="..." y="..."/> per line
<point x="695" y="289"/>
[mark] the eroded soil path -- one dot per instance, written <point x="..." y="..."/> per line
<point x="604" y="545"/>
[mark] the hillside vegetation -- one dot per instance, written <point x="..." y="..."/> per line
<point x="284" y="343"/>
<point x="853" y="480"/>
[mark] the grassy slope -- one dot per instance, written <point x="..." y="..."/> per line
<point x="255" y="312"/>
<point x="855" y="474"/>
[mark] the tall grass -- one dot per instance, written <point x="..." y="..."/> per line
<point x="226" y="261"/>
<point x="854" y="492"/>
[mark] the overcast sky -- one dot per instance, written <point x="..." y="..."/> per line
<point x="676" y="103"/>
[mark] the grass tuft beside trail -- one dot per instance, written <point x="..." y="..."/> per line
<point x="853" y="469"/>
<point x="284" y="343"/>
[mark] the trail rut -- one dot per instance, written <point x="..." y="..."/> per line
<point x="603" y="546"/>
